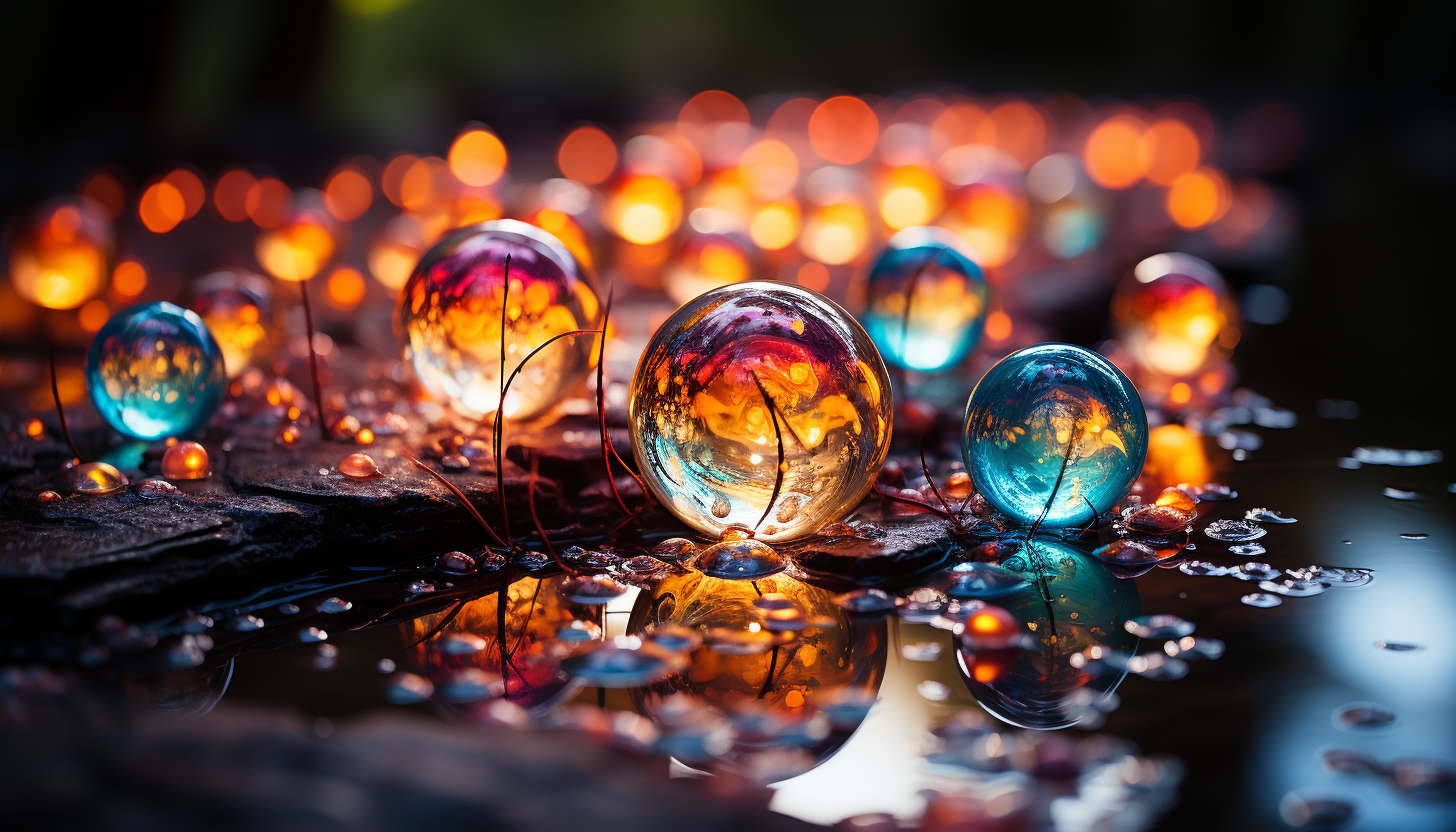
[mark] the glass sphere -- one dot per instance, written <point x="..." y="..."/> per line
<point x="60" y="256"/>
<point x="237" y="307"/>
<point x="737" y="371"/>
<point x="1054" y="433"/>
<point x="947" y="301"/>
<point x="1175" y="315"/>
<point x="154" y="370"/>
<point x="450" y="314"/>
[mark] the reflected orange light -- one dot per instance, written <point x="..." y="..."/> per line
<point x="587" y="155"/>
<point x="991" y="220"/>
<point x="189" y="185"/>
<point x="348" y="193"/>
<point x="269" y="202"/>
<point x="1113" y="155"/>
<point x="1180" y="393"/>
<point x="296" y="250"/>
<point x="94" y="315"/>
<point x="565" y="228"/>
<point x="477" y="158"/>
<point x="471" y="208"/>
<point x="844" y="130"/>
<point x="34" y="428"/>
<point x="775" y="225"/>
<point x="1176" y="455"/>
<point x="912" y="196"/>
<point x="770" y="169"/>
<point x="230" y="194"/>
<point x="161" y="207"/>
<point x="129" y="278"/>
<point x="998" y="326"/>
<point x="711" y="106"/>
<point x="345" y="288"/>
<point x="1169" y="150"/>
<point x="395" y="251"/>
<point x="645" y="209"/>
<point x="425" y="185"/>
<point x="814" y="276"/>
<point x="106" y="190"/>
<point x="1199" y="198"/>
<point x="394" y="172"/>
<point x="1020" y="131"/>
<point x="835" y="234"/>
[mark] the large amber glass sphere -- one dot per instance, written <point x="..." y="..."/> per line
<point x="1054" y="434"/>
<point x="1175" y="315"/>
<point x="239" y="310"/>
<point x="450" y="315"/>
<point x="925" y="301"/>
<point x="60" y="256"/>
<point x="740" y="372"/>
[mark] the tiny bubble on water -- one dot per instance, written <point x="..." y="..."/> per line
<point x="1261" y="599"/>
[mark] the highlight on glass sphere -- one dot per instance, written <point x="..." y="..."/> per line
<point x="925" y="301"/>
<point x="449" y="313"/>
<point x="1054" y="435"/>
<point x="154" y="370"/>
<point x="745" y="375"/>
<point x="1051" y="684"/>
<point x="239" y="310"/>
<point x="60" y="256"/>
<point x="1175" y="316"/>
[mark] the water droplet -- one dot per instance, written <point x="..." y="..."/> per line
<point x="288" y="609"/>
<point x="1158" y="519"/>
<point x="185" y="653"/>
<point x="1261" y="599"/>
<point x="744" y="560"/>
<point x="194" y="623"/>
<point x="334" y="605"/>
<point x="420" y="587"/>
<point x="721" y="508"/>
<point x="1267" y="515"/>
<point x="384" y="665"/>
<point x="1189" y="647"/>
<point x="1311" y="812"/>
<point x="1293" y="588"/>
<point x="982" y="580"/>
<point x="922" y="604"/>
<point x="674" y="638"/>
<point x="1214" y="491"/>
<point x="623" y="662"/>
<point x="1375" y="455"/>
<point x="360" y="466"/>
<point x="186" y="461"/>
<point x="1124" y="551"/>
<point x="1234" y="531"/>
<point x="1158" y="626"/>
<point x="1158" y="667"/>
<point x="93" y="478"/>
<point x="1358" y="716"/>
<point x="578" y="631"/>
<point x="933" y="691"/>
<point x="867" y="601"/>
<point x="1398" y="646"/>
<point x="149" y="489"/>
<point x="1247" y="549"/>
<point x="1202" y="568"/>
<point x="1414" y="535"/>
<point x="1427" y="779"/>
<point x="327" y="657"/>
<point x="455" y="563"/>
<point x="454" y="462"/>
<point x="312" y="634"/>
<point x="1398" y="494"/>
<point x="674" y="548"/>
<point x="245" y="624"/>
<point x="470" y="684"/>
<point x="591" y="589"/>
<point x="642" y="568"/>
<point x="922" y="651"/>
<point x="1254" y="571"/>
<point x="1350" y="761"/>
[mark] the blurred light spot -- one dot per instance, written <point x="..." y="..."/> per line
<point x="814" y="276"/>
<point x="791" y="118"/>
<point x="913" y="196"/>
<point x="1113" y="156"/>
<point x="998" y="326"/>
<point x="58" y="256"/>
<point x="469" y="209"/>
<point x="426" y="184"/>
<point x="189" y="185"/>
<point x="1199" y="198"/>
<point x="991" y="220"/>
<point x="230" y="194"/>
<point x="844" y="130"/>
<point x="645" y="209"/>
<point x="567" y="229"/>
<point x="587" y="155"/>
<point x="161" y="207"/>
<point x="1169" y="151"/>
<point x="775" y="225"/>
<point x="1020" y="131"/>
<point x="1071" y="230"/>
<point x="1265" y="304"/>
<point x="395" y="251"/>
<point x="1253" y="207"/>
<point x="107" y="192"/>
<point x="711" y="106"/>
<point x="1052" y="178"/>
<point x="129" y="278"/>
<point x="269" y="202"/>
<point x="770" y="169"/>
<point x="345" y="288"/>
<point x="394" y="172"/>
<point x="94" y="315"/>
<point x="671" y="157"/>
<point x="1180" y="393"/>
<point x="477" y="158"/>
<point x="963" y="124"/>
<point x="348" y="193"/>
<point x="835" y="234"/>
<point x="297" y="250"/>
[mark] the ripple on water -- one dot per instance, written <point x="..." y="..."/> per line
<point x="1261" y="599"/>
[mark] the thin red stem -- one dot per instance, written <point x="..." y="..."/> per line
<point x="318" y="396"/>
<point x="61" y="411"/>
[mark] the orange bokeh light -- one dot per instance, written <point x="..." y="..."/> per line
<point x="587" y="155"/>
<point x="345" y="288"/>
<point x="189" y="185"/>
<point x="1199" y="198"/>
<point x="770" y="169"/>
<point x="129" y="278"/>
<point x="912" y="196"/>
<point x="1020" y="131"/>
<point x="106" y="190"/>
<point x="963" y="123"/>
<point x="348" y="193"/>
<point x="998" y="326"/>
<point x="477" y="158"/>
<point x="1113" y="155"/>
<point x="230" y="194"/>
<point x="94" y="315"/>
<point x="269" y="202"/>
<point x="162" y="207"/>
<point x="1169" y="151"/>
<point x="709" y="107"/>
<point x="835" y="234"/>
<point x="645" y="209"/>
<point x="297" y="250"/>
<point x="775" y="225"/>
<point x="396" y="250"/>
<point x="844" y="130"/>
<point x="426" y="184"/>
<point x="814" y="276"/>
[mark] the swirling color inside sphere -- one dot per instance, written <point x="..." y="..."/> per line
<point x="450" y="315"/>
<point x="1174" y="314"/>
<point x="1054" y="433"/>
<point x="947" y="300"/>
<point x="155" y="370"/>
<point x="734" y="372"/>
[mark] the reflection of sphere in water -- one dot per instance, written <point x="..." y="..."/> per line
<point x="450" y="315"/>
<point x="237" y="307"/>
<point x="925" y="301"/>
<point x="1054" y="433"/>
<point x="535" y="612"/>
<point x="1175" y="315"/>
<point x="1028" y="688"/>
<point x="733" y="373"/>
<point x="834" y="652"/>
<point x="154" y="370"/>
<point x="60" y="256"/>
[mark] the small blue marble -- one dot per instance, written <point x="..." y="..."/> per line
<point x="1054" y="434"/>
<point x="154" y="371"/>
<point x="948" y="301"/>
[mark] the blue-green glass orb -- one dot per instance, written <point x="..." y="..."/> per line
<point x="925" y="301"/>
<point x="154" y="370"/>
<point x="1054" y="433"/>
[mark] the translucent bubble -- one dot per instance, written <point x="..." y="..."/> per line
<point x="239" y="310"/>
<point x="735" y="374"/>
<point x="1175" y="316"/>
<point x="982" y="580"/>
<point x="743" y="560"/>
<point x="623" y="662"/>
<point x="926" y="302"/>
<point x="154" y="370"/>
<point x="450" y="314"/>
<point x="93" y="478"/>
<point x="1054" y="433"/>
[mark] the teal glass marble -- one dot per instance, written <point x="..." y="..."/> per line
<point x="154" y="370"/>
<point x="1054" y="434"/>
<point x="925" y="301"/>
